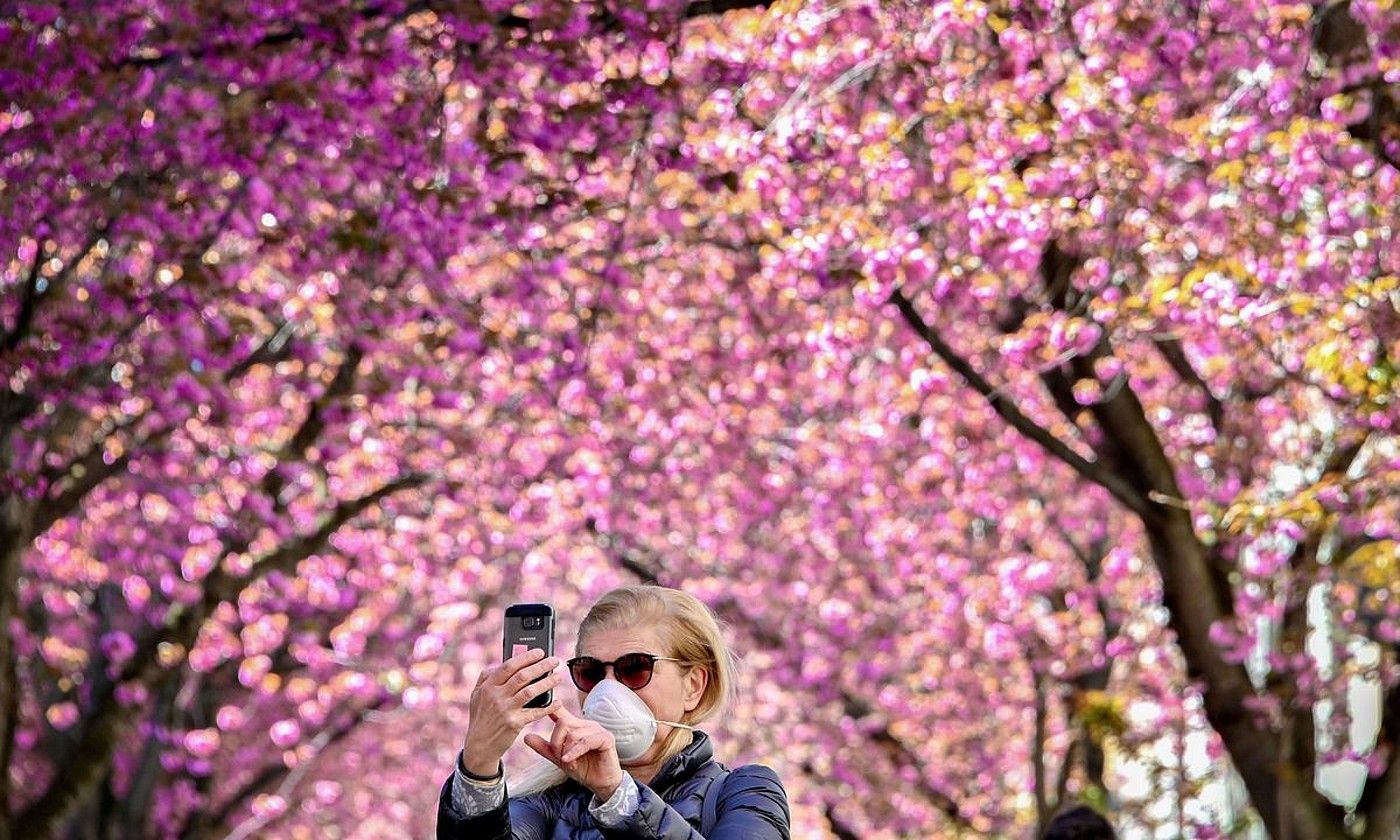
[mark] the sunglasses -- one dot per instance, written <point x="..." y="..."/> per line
<point x="633" y="670"/>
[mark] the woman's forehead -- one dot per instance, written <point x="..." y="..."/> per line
<point x="612" y="642"/>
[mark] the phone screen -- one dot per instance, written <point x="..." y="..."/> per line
<point x="529" y="626"/>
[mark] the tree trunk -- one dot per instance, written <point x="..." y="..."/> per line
<point x="1043" y="805"/>
<point x="14" y="536"/>
<point x="1137" y="472"/>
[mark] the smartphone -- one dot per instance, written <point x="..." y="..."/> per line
<point x="530" y="626"/>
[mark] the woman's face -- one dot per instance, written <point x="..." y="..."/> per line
<point x="674" y="688"/>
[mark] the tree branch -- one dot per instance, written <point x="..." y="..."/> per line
<point x="14" y="536"/>
<point x="1003" y="406"/>
<point x="136" y="804"/>
<point x="272" y="350"/>
<point x="703" y="8"/>
<point x="382" y="11"/>
<point x="292" y="778"/>
<point x="29" y="294"/>
<point x="109" y="719"/>
<point x="291" y="34"/>
<point x="210" y="819"/>
<point x="1342" y="40"/>
<point x="8" y="726"/>
<point x="1196" y="589"/>
<point x="1043" y="807"/>
<point x="315" y="421"/>
<point x="838" y="826"/>
<point x="1066" y="771"/>
<point x="1175" y="355"/>
<point x="85" y="473"/>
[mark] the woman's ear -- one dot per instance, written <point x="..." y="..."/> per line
<point x="695" y="681"/>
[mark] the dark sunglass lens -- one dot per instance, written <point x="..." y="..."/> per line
<point x="587" y="673"/>
<point x="633" y="670"/>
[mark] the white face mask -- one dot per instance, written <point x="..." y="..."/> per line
<point x="619" y="710"/>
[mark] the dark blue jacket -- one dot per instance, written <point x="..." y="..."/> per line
<point x="751" y="806"/>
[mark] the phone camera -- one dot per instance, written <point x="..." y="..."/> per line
<point x="532" y="622"/>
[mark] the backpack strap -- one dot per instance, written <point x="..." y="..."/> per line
<point x="708" y="811"/>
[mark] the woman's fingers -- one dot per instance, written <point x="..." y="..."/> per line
<point x="535" y="689"/>
<point x="525" y="717"/>
<point x="572" y="738"/>
<point x="572" y="748"/>
<point x="575" y="737"/>
<point x="542" y="747"/>
<point x="585" y="743"/>
<point x="532" y="715"/>
<point x="511" y="668"/>
<point x="578" y="749"/>
<point x="522" y="678"/>
<point x="560" y="737"/>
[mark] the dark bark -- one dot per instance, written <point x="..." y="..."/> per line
<point x="1044" y="808"/>
<point x="14" y="536"/>
<point x="1196" y="597"/>
<point x="86" y="473"/>
<point x="212" y="821"/>
<point x="1094" y="471"/>
<point x="702" y="8"/>
<point x="839" y="828"/>
<point x="315" y="421"/>
<point x="1172" y="350"/>
<point x="29" y="295"/>
<point x="20" y="523"/>
<point x="1091" y="748"/>
<point x="389" y="16"/>
<point x="107" y="720"/>
<point x="135" y="808"/>
<point x="1195" y="589"/>
<point x="273" y="349"/>
<point x="1380" y="798"/>
<point x="1340" y="39"/>
<point x="1095" y="680"/>
<point x="1066" y="771"/>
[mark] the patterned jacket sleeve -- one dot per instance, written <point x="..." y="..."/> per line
<point x="526" y="818"/>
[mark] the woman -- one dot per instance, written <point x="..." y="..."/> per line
<point x="652" y="663"/>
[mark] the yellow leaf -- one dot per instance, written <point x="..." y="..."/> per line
<point x="1230" y="171"/>
<point x="1375" y="565"/>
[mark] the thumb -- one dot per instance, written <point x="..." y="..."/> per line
<point x="563" y="715"/>
<point x="542" y="747"/>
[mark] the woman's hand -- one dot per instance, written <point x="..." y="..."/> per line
<point x="498" y="710"/>
<point x="584" y="750"/>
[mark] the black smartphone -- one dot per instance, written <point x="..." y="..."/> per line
<point x="530" y="626"/>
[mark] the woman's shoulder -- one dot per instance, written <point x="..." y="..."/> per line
<point x="753" y="779"/>
<point x="756" y="794"/>
<point x="754" y="771"/>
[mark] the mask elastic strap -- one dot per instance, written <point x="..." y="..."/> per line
<point x="679" y="725"/>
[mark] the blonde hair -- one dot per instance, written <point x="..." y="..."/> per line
<point x="688" y="630"/>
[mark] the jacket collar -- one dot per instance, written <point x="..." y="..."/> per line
<point x="683" y="765"/>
